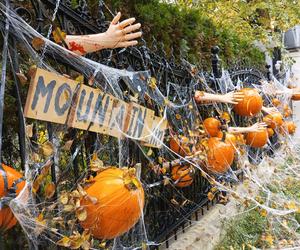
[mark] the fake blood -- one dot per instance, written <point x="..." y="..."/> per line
<point x="76" y="47"/>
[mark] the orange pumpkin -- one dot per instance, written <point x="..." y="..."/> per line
<point x="220" y="155"/>
<point x="251" y="104"/>
<point x="12" y="177"/>
<point x="212" y="126"/>
<point x="182" y="175"/>
<point x="180" y="145"/>
<point x="276" y="102"/>
<point x="270" y="132"/>
<point x="257" y="139"/>
<point x="289" y="127"/>
<point x="274" y="120"/>
<point x="296" y="97"/>
<point x="120" y="201"/>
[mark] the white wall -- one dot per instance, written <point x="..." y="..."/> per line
<point x="296" y="104"/>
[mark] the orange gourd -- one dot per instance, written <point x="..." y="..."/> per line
<point x="182" y="175"/>
<point x="120" y="201"/>
<point x="296" y="97"/>
<point x="274" y="120"/>
<point x="289" y="127"/>
<point x="13" y="177"/>
<point x="251" y="104"/>
<point x="276" y="102"/>
<point x="270" y="132"/>
<point x="180" y="145"/>
<point x="212" y="126"/>
<point x="257" y="139"/>
<point x="220" y="155"/>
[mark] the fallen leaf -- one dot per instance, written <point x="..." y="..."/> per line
<point x="58" y="35"/>
<point x="22" y="78"/>
<point x="150" y="152"/>
<point x="152" y="83"/>
<point x="29" y="130"/>
<point x="64" y="242"/>
<point x="50" y="190"/>
<point x="67" y="145"/>
<point x="64" y="198"/>
<point x="37" y="43"/>
<point x="81" y="214"/>
<point x="210" y="196"/>
<point x="47" y="149"/>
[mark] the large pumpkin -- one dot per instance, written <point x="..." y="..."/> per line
<point x="11" y="178"/>
<point x="251" y="104"/>
<point x="212" y="126"/>
<point x="220" y="155"/>
<point x="180" y="145"/>
<point x="289" y="127"/>
<point x="182" y="175"/>
<point x="274" y="120"/>
<point x="257" y="139"/>
<point x="120" y="201"/>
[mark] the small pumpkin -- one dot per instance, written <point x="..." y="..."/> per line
<point x="257" y="139"/>
<point x="120" y="201"/>
<point x="274" y="120"/>
<point x="270" y="132"/>
<point x="276" y="102"/>
<point x="212" y="126"/>
<point x="296" y="97"/>
<point x="220" y="155"/>
<point x="250" y="105"/>
<point x="13" y="179"/>
<point x="180" y="145"/>
<point x="288" y="126"/>
<point x="182" y="175"/>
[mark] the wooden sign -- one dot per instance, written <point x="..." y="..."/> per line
<point x="57" y="99"/>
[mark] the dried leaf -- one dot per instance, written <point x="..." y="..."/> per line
<point x="37" y="43"/>
<point x="178" y="116"/>
<point x="68" y="208"/>
<point x="263" y="213"/>
<point x="175" y="202"/>
<point x="29" y="130"/>
<point x="96" y="164"/>
<point x="31" y="71"/>
<point x="47" y="149"/>
<point x="50" y="190"/>
<point x="210" y="196"/>
<point x="64" y="242"/>
<point x="166" y="181"/>
<point x="81" y="214"/>
<point x="64" y="198"/>
<point x="150" y="152"/>
<point x="152" y="83"/>
<point x="269" y="239"/>
<point x="22" y="78"/>
<point x="79" y="79"/>
<point x="67" y="145"/>
<point x="59" y="35"/>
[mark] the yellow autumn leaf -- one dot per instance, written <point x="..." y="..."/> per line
<point x="152" y="83"/>
<point x="79" y="79"/>
<point x="64" y="242"/>
<point x="178" y="116"/>
<point x="150" y="152"/>
<point x="68" y="208"/>
<point x="263" y="213"/>
<point x="269" y="239"/>
<point x="59" y="35"/>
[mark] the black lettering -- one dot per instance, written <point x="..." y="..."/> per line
<point x="67" y="92"/>
<point x="140" y="122"/>
<point x="132" y="118"/>
<point x="100" y="111"/>
<point x="80" y="116"/>
<point x="43" y="90"/>
<point x="119" y="118"/>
